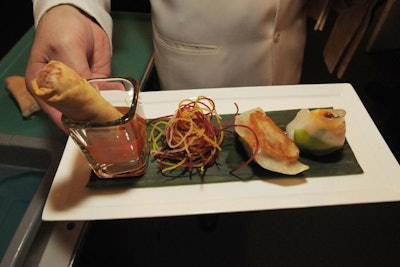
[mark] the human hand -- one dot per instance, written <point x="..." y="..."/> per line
<point x="66" y="34"/>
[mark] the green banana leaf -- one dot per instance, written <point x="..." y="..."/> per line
<point x="341" y="162"/>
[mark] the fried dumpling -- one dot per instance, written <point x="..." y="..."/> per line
<point x="275" y="151"/>
<point x="318" y="132"/>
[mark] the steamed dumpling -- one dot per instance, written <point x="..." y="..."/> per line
<point x="318" y="132"/>
<point x="276" y="152"/>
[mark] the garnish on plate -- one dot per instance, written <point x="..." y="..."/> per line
<point x="191" y="138"/>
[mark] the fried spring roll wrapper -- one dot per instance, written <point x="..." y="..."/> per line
<point x="64" y="89"/>
<point x="27" y="104"/>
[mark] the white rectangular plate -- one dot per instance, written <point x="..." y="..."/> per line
<point x="70" y="199"/>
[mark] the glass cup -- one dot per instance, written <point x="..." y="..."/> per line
<point x="118" y="148"/>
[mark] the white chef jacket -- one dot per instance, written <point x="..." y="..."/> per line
<point x="217" y="43"/>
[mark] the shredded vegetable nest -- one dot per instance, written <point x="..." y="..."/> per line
<point x="191" y="138"/>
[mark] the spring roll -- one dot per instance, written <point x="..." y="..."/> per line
<point x="64" y="89"/>
<point x="27" y="104"/>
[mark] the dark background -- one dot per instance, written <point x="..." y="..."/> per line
<point x="348" y="235"/>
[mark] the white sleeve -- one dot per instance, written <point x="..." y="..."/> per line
<point x="98" y="9"/>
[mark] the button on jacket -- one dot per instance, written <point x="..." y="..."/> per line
<point x="223" y="43"/>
